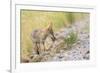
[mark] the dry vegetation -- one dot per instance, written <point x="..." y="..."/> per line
<point x="31" y="20"/>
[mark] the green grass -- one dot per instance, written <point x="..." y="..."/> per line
<point x="71" y="39"/>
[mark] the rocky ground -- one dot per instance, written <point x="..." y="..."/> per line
<point x="80" y="50"/>
<point x="59" y="51"/>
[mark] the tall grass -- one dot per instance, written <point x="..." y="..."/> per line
<point x="31" y="20"/>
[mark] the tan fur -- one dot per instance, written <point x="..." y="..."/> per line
<point x="39" y="36"/>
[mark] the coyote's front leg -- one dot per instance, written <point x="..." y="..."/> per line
<point x="44" y="46"/>
<point x="37" y="48"/>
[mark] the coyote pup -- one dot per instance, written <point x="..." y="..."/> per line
<point x="39" y="36"/>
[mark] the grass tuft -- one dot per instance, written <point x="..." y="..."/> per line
<point x="71" y="39"/>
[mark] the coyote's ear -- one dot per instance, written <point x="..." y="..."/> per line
<point x="50" y="25"/>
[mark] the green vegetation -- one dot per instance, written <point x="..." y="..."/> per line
<point x="71" y="39"/>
